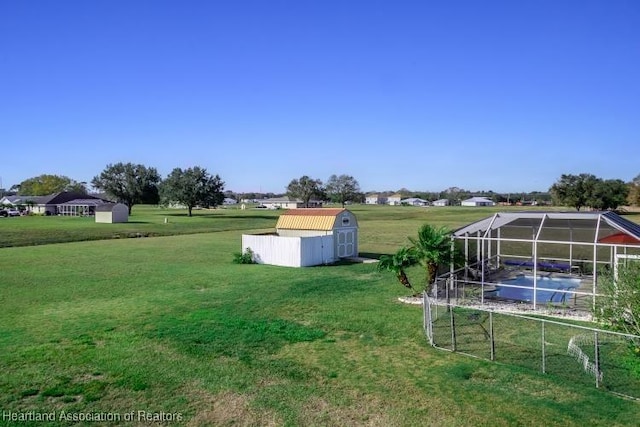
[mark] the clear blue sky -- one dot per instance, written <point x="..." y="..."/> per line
<point x="483" y="95"/>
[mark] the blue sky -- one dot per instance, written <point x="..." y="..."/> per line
<point x="483" y="95"/>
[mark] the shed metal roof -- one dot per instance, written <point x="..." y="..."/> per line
<point x="309" y="219"/>
<point x="108" y="207"/>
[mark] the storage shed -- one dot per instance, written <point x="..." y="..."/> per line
<point x="111" y="213"/>
<point x="306" y="237"/>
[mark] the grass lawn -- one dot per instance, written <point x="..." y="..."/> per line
<point x="170" y="325"/>
<point x="144" y="221"/>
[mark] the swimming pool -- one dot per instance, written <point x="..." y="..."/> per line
<point x="525" y="292"/>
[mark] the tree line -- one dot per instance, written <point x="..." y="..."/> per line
<point x="338" y="189"/>
<point x="588" y="191"/>
<point x="134" y="184"/>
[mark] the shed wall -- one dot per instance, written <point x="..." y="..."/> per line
<point x="120" y="213"/>
<point x="316" y="250"/>
<point x="290" y="251"/>
<point x="346" y="242"/>
<point x="285" y="232"/>
<point x="103" y="217"/>
<point x="350" y="222"/>
<point x="274" y="250"/>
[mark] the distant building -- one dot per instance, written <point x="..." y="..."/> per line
<point x="414" y="201"/>
<point x="63" y="203"/>
<point x="229" y="201"/>
<point x="375" y="199"/>
<point x="394" y="200"/>
<point x="441" y="202"/>
<point x="110" y="213"/>
<point x="288" y="203"/>
<point x="478" y="201"/>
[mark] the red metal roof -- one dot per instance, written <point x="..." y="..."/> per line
<point x="620" y="238"/>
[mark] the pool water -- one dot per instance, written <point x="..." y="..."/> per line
<point x="525" y="293"/>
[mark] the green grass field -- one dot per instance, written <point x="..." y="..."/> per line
<point x="169" y="325"/>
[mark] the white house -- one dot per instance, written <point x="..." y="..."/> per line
<point x="394" y="200"/>
<point x="478" y="201"/>
<point x="111" y="213"/>
<point x="306" y="237"/>
<point x="375" y="199"/>
<point x="229" y="201"/>
<point x="288" y="203"/>
<point x="414" y="201"/>
<point x="441" y="202"/>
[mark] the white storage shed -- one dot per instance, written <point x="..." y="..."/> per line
<point x="110" y="213"/>
<point x="306" y="237"/>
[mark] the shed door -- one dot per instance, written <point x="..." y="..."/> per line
<point x="346" y="246"/>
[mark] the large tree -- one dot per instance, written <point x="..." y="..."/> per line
<point x="343" y="188"/>
<point x="574" y="190"/>
<point x="586" y="190"/>
<point x="45" y="184"/>
<point x="192" y="187"/>
<point x="126" y="182"/>
<point x="634" y="192"/>
<point x="305" y="188"/>
<point x="609" y="194"/>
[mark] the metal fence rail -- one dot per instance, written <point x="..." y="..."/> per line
<point x="576" y="353"/>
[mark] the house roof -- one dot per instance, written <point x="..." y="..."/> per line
<point x="606" y="223"/>
<point x="309" y="219"/>
<point x="84" y="202"/>
<point x="23" y="199"/>
<point x="441" y="201"/>
<point x="478" y="199"/>
<point x="11" y="199"/>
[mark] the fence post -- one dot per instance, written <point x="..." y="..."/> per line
<point x="453" y="330"/>
<point x="544" y="358"/>
<point x="425" y="311"/>
<point x="596" y="360"/>
<point x="493" y="345"/>
<point x="428" y="317"/>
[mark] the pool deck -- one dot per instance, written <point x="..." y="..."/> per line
<point x="574" y="302"/>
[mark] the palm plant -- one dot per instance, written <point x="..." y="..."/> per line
<point x="397" y="263"/>
<point x="431" y="249"/>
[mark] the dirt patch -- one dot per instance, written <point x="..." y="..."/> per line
<point x="231" y="409"/>
<point x="364" y="412"/>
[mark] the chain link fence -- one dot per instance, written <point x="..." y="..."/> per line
<point x="582" y="355"/>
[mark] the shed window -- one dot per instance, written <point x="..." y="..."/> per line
<point x="345" y="220"/>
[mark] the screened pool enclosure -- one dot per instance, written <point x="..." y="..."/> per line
<point x="538" y="258"/>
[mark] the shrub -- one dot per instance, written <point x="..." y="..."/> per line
<point x="245" y="257"/>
